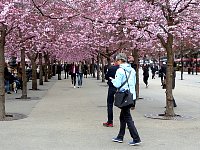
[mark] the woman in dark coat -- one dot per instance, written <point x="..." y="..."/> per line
<point x="146" y="74"/>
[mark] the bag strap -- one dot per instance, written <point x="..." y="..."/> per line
<point x="128" y="78"/>
<point x="125" y="81"/>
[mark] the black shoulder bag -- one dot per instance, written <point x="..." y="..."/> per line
<point x="123" y="99"/>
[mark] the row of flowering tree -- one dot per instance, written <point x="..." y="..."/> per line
<point x="76" y="30"/>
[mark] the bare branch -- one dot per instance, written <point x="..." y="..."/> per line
<point x="163" y="28"/>
<point x="185" y="7"/>
<point x="177" y="5"/>
<point x="28" y="38"/>
<point x="149" y="32"/>
<point x="11" y="28"/>
<point x="41" y="12"/>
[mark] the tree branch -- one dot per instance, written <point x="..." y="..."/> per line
<point x="177" y="5"/>
<point x="163" y="28"/>
<point x="41" y="12"/>
<point x="185" y="7"/>
<point x="162" y="40"/>
<point x="28" y="38"/>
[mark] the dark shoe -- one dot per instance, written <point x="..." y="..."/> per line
<point x="134" y="143"/>
<point x="8" y="93"/>
<point x="118" y="140"/>
<point x="106" y="124"/>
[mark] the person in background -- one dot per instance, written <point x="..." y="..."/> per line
<point x="85" y="70"/>
<point x="80" y="74"/>
<point x="59" y="70"/>
<point x="153" y="71"/>
<point x="125" y="116"/>
<point x="74" y="71"/>
<point x="146" y="74"/>
<point x="162" y="74"/>
<point x="111" y="92"/>
<point x="66" y="70"/>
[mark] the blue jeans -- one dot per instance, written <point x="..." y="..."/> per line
<point x="7" y="85"/>
<point x="80" y="79"/>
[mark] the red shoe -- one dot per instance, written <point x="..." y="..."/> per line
<point x="106" y="124"/>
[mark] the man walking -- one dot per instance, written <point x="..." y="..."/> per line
<point x="110" y="97"/>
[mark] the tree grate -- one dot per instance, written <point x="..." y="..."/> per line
<point x="163" y="117"/>
<point x="13" y="116"/>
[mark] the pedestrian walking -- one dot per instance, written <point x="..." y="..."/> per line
<point x="80" y="74"/>
<point x="162" y="74"/>
<point x="111" y="92"/>
<point x="153" y="71"/>
<point x="66" y="70"/>
<point x="85" y="70"/>
<point x="125" y="115"/>
<point x="74" y="71"/>
<point x="146" y="74"/>
<point x="59" y="70"/>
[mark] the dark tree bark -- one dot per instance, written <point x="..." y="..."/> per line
<point x="45" y="67"/>
<point x="108" y="58"/>
<point x="102" y="62"/>
<point x="93" y="68"/>
<point x="3" y="29"/>
<point x="98" y="66"/>
<point x="49" y="68"/>
<point x="24" y="78"/>
<point x="41" y="70"/>
<point x="136" y="58"/>
<point x="33" y="58"/>
<point x="181" y="65"/>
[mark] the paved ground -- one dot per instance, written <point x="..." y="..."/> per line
<point x="63" y="118"/>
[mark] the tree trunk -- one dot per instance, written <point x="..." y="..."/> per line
<point x="169" y="77"/>
<point x="2" y="65"/>
<point x="196" y="65"/>
<point x="109" y="61"/>
<point x="33" y="58"/>
<point x="40" y="68"/>
<point x="53" y="67"/>
<point x="93" y="68"/>
<point x="108" y="58"/>
<point x="34" y="75"/>
<point x="98" y="67"/>
<point x="181" y="65"/>
<point x="45" y="68"/>
<point x="49" y="68"/>
<point x="24" y="78"/>
<point x="103" y="75"/>
<point x="169" y="73"/>
<point x="136" y="58"/>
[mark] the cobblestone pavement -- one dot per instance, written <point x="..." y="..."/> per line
<point x="60" y="117"/>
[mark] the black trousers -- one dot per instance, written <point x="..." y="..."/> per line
<point x="145" y="79"/>
<point x="73" y="77"/>
<point x="59" y="76"/>
<point x="110" y="101"/>
<point x="126" y="118"/>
